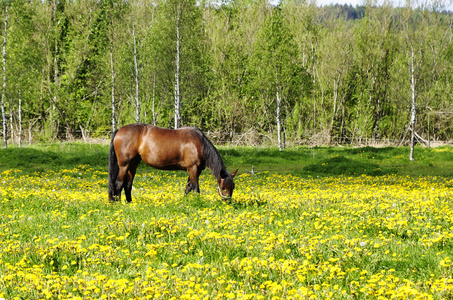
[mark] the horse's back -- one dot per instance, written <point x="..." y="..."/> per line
<point x="163" y="148"/>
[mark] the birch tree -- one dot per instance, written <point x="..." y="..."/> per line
<point x="137" y="90"/>
<point x="4" y="123"/>
<point x="177" y="67"/>
<point x="232" y="30"/>
<point x="336" y="77"/>
<point x="413" y="104"/>
<point x="279" y="77"/>
<point x="374" y="54"/>
<point x="111" y="34"/>
<point x="182" y="48"/>
<point x="418" y="33"/>
<point x="112" y="68"/>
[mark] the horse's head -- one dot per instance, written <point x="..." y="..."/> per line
<point x="226" y="184"/>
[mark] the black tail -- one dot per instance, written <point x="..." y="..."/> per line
<point x="113" y="169"/>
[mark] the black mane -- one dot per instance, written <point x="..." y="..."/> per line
<point x="213" y="159"/>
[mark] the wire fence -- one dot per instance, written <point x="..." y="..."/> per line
<point x="228" y="138"/>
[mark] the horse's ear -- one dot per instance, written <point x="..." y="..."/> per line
<point x="234" y="173"/>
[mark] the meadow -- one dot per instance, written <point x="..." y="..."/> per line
<point x="310" y="223"/>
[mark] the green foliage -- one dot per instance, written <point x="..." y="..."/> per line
<point x="340" y="71"/>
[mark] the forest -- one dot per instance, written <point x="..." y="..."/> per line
<point x="246" y="71"/>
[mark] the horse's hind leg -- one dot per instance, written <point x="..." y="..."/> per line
<point x="115" y="191"/>
<point x="122" y="174"/>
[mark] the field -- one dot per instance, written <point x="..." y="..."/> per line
<point x="311" y="223"/>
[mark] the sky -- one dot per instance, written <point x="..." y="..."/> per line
<point x="361" y="2"/>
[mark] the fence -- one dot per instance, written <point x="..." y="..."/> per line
<point x="249" y="138"/>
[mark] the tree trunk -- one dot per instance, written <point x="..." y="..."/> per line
<point x="20" y="121"/>
<point x="5" y="125"/>
<point x="113" y="87"/>
<point x="314" y="85"/>
<point x="279" y="122"/>
<point x="11" y="121"/>
<point x="137" y="103"/>
<point x="29" y="132"/>
<point x="52" y="118"/>
<point x="278" y="116"/>
<point x="413" y="108"/>
<point x="335" y="99"/>
<point x="154" y="98"/>
<point x="177" y="78"/>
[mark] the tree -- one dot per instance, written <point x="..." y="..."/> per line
<point x="425" y="38"/>
<point x="5" y="124"/>
<point x="337" y="79"/>
<point x="22" y="71"/>
<point x="231" y="104"/>
<point x="137" y="90"/>
<point x="181" y="53"/>
<point x="112" y="65"/>
<point x="374" y="55"/>
<point x="177" y="67"/>
<point x="115" y="19"/>
<point x="305" y="22"/>
<point x="278" y="75"/>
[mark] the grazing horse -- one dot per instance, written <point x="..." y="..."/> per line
<point x="185" y="149"/>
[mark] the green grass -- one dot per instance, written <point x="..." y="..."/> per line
<point x="350" y="223"/>
<point x="58" y="156"/>
<point x="302" y="161"/>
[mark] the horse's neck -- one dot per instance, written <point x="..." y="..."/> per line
<point x="217" y="168"/>
<point x="213" y="159"/>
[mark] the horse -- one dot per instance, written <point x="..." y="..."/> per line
<point x="186" y="149"/>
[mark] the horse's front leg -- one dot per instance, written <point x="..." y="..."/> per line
<point x="130" y="179"/>
<point x="192" y="182"/>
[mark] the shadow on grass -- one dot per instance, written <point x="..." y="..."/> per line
<point x="31" y="160"/>
<point x="341" y="165"/>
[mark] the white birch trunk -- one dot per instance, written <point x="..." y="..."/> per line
<point x="278" y="116"/>
<point x="413" y="107"/>
<point x="113" y="88"/>
<point x="279" y="123"/>
<point x="177" y="78"/>
<point x="20" y="121"/>
<point x="52" y="116"/>
<point x="154" y="99"/>
<point x="314" y="84"/>
<point x="137" y="102"/>
<point x="5" y="124"/>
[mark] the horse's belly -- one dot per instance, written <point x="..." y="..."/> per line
<point x="162" y="162"/>
<point x="169" y="167"/>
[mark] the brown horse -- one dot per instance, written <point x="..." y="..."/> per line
<point x="185" y="149"/>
